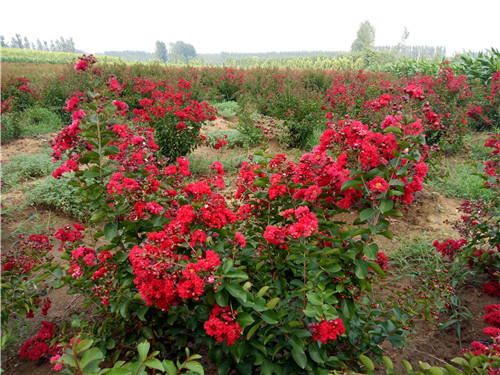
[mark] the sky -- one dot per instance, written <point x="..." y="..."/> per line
<point x="253" y="26"/>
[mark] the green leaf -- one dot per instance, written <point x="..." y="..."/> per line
<point x="362" y="268"/>
<point x="300" y="358"/>
<point x="386" y="205"/>
<point x="83" y="345"/>
<point x="366" y="214"/>
<point x="270" y="317"/>
<point x="118" y="371"/>
<point x="143" y="349"/>
<point x="367" y="362"/>
<point x="237" y="275"/>
<point x="371" y="251"/>
<point x="388" y="363"/>
<point x="272" y="303"/>
<point x="154" y="363"/>
<point x="244" y="319"/>
<point x="91" y="355"/>
<point x="263" y="181"/>
<point x="397" y="183"/>
<point x="221" y="297"/>
<point x="169" y="367"/>
<point x="236" y="291"/>
<point x="252" y="330"/>
<point x="262" y="291"/>
<point x="434" y="370"/>
<point x="314" y="353"/>
<point x="111" y="150"/>
<point x="110" y="230"/>
<point x="349" y="184"/>
<point x="97" y="216"/>
<point x="147" y="333"/>
<point x="393" y="129"/>
<point x="195" y="367"/>
<point x="314" y="299"/>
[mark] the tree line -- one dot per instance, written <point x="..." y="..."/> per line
<point x="58" y="45"/>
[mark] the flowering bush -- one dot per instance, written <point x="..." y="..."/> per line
<point x="176" y="118"/>
<point x="272" y="272"/>
<point x="17" y="94"/>
<point x="479" y="248"/>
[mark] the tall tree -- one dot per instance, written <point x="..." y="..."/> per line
<point x="160" y="51"/>
<point x="183" y="50"/>
<point x="365" y="39"/>
<point x="16" y="42"/>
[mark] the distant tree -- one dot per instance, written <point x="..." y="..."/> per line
<point x="402" y="42"/>
<point x="16" y="42"/>
<point x="365" y="39"/>
<point x="2" y="41"/>
<point x="39" y="45"/>
<point x="160" y="51"/>
<point x="26" y="43"/>
<point x="181" y="49"/>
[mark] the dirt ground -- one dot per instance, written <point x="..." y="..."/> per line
<point x="427" y="214"/>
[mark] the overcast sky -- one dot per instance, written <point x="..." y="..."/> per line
<point x="253" y="26"/>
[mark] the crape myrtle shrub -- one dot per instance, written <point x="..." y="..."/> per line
<point x="266" y="278"/>
<point x="301" y="98"/>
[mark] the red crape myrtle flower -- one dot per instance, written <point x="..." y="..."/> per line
<point x="492" y="288"/>
<point x="492" y="316"/>
<point x="222" y="325"/>
<point x="327" y="330"/>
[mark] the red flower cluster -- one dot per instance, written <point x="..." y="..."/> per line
<point x="449" y="248"/>
<point x="382" y="261"/>
<point x="304" y="225"/>
<point x="38" y="346"/>
<point x="492" y="316"/>
<point x="492" y="288"/>
<point x="327" y="330"/>
<point x="67" y="234"/>
<point x="222" y="325"/>
<point x="164" y="278"/>
<point x="27" y="253"/>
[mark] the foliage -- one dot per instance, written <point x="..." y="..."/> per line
<point x="226" y="109"/>
<point x="58" y="195"/>
<point x="481" y="66"/>
<point x="24" y="166"/>
<point x="174" y="116"/>
<point x="13" y="55"/>
<point x="183" y="50"/>
<point x="279" y="273"/>
<point x="478" y="226"/>
<point x="26" y="274"/>
<point x="160" y="51"/>
<point x="269" y="278"/>
<point x="365" y="39"/>
<point x="83" y="358"/>
<point x="32" y="121"/>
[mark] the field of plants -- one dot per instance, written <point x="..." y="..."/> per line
<point x="216" y="220"/>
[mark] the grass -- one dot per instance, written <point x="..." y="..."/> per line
<point x="58" y="195"/>
<point x="461" y="181"/>
<point x="23" y="167"/>
<point x="418" y="259"/>
<point x="31" y="122"/>
<point x="226" y="109"/>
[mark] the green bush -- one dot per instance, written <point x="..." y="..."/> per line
<point x="30" y="122"/>
<point x="24" y="166"/>
<point x="58" y="195"/>
<point x="226" y="109"/>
